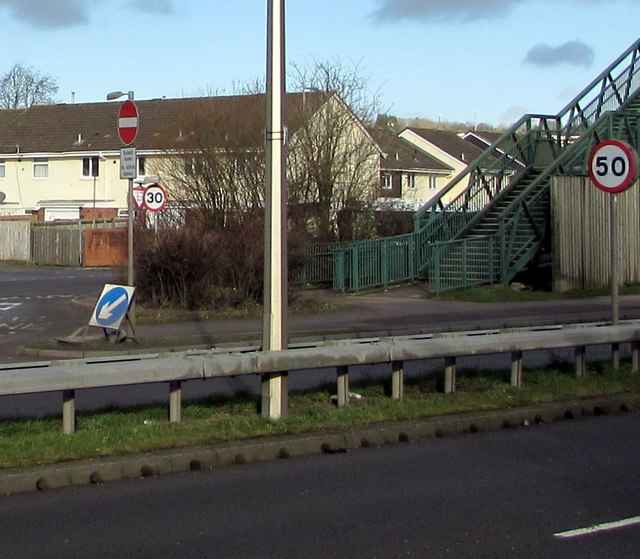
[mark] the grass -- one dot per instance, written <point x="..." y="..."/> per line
<point x="299" y="305"/>
<point x="115" y="432"/>
<point x="500" y="294"/>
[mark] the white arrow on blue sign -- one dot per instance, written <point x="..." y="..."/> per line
<point x="112" y="306"/>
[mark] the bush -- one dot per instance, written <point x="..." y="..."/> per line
<point x="198" y="268"/>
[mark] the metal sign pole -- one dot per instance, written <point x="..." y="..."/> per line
<point x="615" y="262"/>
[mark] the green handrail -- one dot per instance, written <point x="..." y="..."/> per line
<point x="519" y="147"/>
<point x="536" y="147"/>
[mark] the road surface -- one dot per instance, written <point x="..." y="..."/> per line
<point x="567" y="490"/>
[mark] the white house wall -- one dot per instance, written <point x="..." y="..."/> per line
<point x="441" y="155"/>
<point x="64" y="185"/>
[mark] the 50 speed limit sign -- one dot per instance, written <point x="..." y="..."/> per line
<point x="154" y="198"/>
<point x="613" y="165"/>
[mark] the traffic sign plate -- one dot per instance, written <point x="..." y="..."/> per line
<point x="613" y="165"/>
<point x="155" y="198"/>
<point x="128" y="122"/>
<point x="112" y="306"/>
<point x="128" y="163"/>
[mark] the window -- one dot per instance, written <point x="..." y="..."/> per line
<point x="387" y="181"/>
<point x="142" y="166"/>
<point x="2" y="169"/>
<point x="91" y="166"/>
<point x="433" y="182"/>
<point x="40" y="168"/>
<point x="409" y="180"/>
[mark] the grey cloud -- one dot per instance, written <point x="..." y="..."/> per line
<point x="48" y="14"/>
<point x="458" y="10"/>
<point x="53" y="14"/>
<point x="575" y="53"/>
<point x="153" y="6"/>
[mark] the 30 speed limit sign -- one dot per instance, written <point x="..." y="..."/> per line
<point x="155" y="198"/>
<point x="613" y="165"/>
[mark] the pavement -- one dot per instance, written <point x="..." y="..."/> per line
<point x="402" y="310"/>
<point x="394" y="311"/>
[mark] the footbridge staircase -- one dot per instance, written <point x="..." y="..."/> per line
<point x="497" y="222"/>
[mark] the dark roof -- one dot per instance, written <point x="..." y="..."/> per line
<point x="398" y="154"/>
<point x="449" y="142"/>
<point x="162" y="122"/>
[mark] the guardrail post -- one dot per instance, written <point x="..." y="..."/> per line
<point x="175" y="401"/>
<point x="449" y="375"/>
<point x="275" y="395"/>
<point x="68" y="412"/>
<point x="635" y="362"/>
<point x="516" y="368"/>
<point x="343" y="385"/>
<point x="581" y="362"/>
<point x="397" y="380"/>
<point x="615" y="355"/>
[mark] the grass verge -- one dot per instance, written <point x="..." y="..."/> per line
<point x="502" y="294"/>
<point x="115" y="432"/>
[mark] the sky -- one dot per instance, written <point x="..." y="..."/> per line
<point x="470" y="61"/>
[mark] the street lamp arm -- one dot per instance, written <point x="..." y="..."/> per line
<point x="117" y="94"/>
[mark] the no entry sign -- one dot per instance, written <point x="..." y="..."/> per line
<point x="613" y="165"/>
<point x="128" y="122"/>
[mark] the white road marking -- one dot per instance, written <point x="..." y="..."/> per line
<point x="607" y="526"/>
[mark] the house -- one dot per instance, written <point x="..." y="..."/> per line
<point x="61" y="159"/>
<point x="448" y="147"/>
<point x="409" y="176"/>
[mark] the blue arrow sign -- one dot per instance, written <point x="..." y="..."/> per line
<point x="112" y="306"/>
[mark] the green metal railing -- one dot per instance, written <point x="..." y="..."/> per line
<point x="504" y="191"/>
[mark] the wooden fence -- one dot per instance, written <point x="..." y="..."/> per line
<point x="54" y="244"/>
<point x="581" y="234"/>
<point x="15" y="241"/>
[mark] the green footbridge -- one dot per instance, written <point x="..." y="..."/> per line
<point x="498" y="221"/>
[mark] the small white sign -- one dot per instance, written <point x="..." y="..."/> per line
<point x="128" y="163"/>
<point x="138" y="196"/>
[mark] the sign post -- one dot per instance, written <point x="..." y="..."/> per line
<point x="613" y="166"/>
<point x="128" y="130"/>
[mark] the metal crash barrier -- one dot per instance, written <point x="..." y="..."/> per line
<point x="68" y="376"/>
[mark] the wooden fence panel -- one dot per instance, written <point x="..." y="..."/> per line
<point x="57" y="245"/>
<point x="15" y="241"/>
<point x="580" y="216"/>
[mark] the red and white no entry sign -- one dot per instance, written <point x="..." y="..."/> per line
<point x="613" y="165"/>
<point x="128" y="122"/>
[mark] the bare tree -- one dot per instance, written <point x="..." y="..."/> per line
<point x="215" y="166"/>
<point x="23" y="87"/>
<point x="333" y="161"/>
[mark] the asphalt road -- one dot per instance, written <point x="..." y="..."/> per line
<point x="36" y="303"/>
<point x="531" y="492"/>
